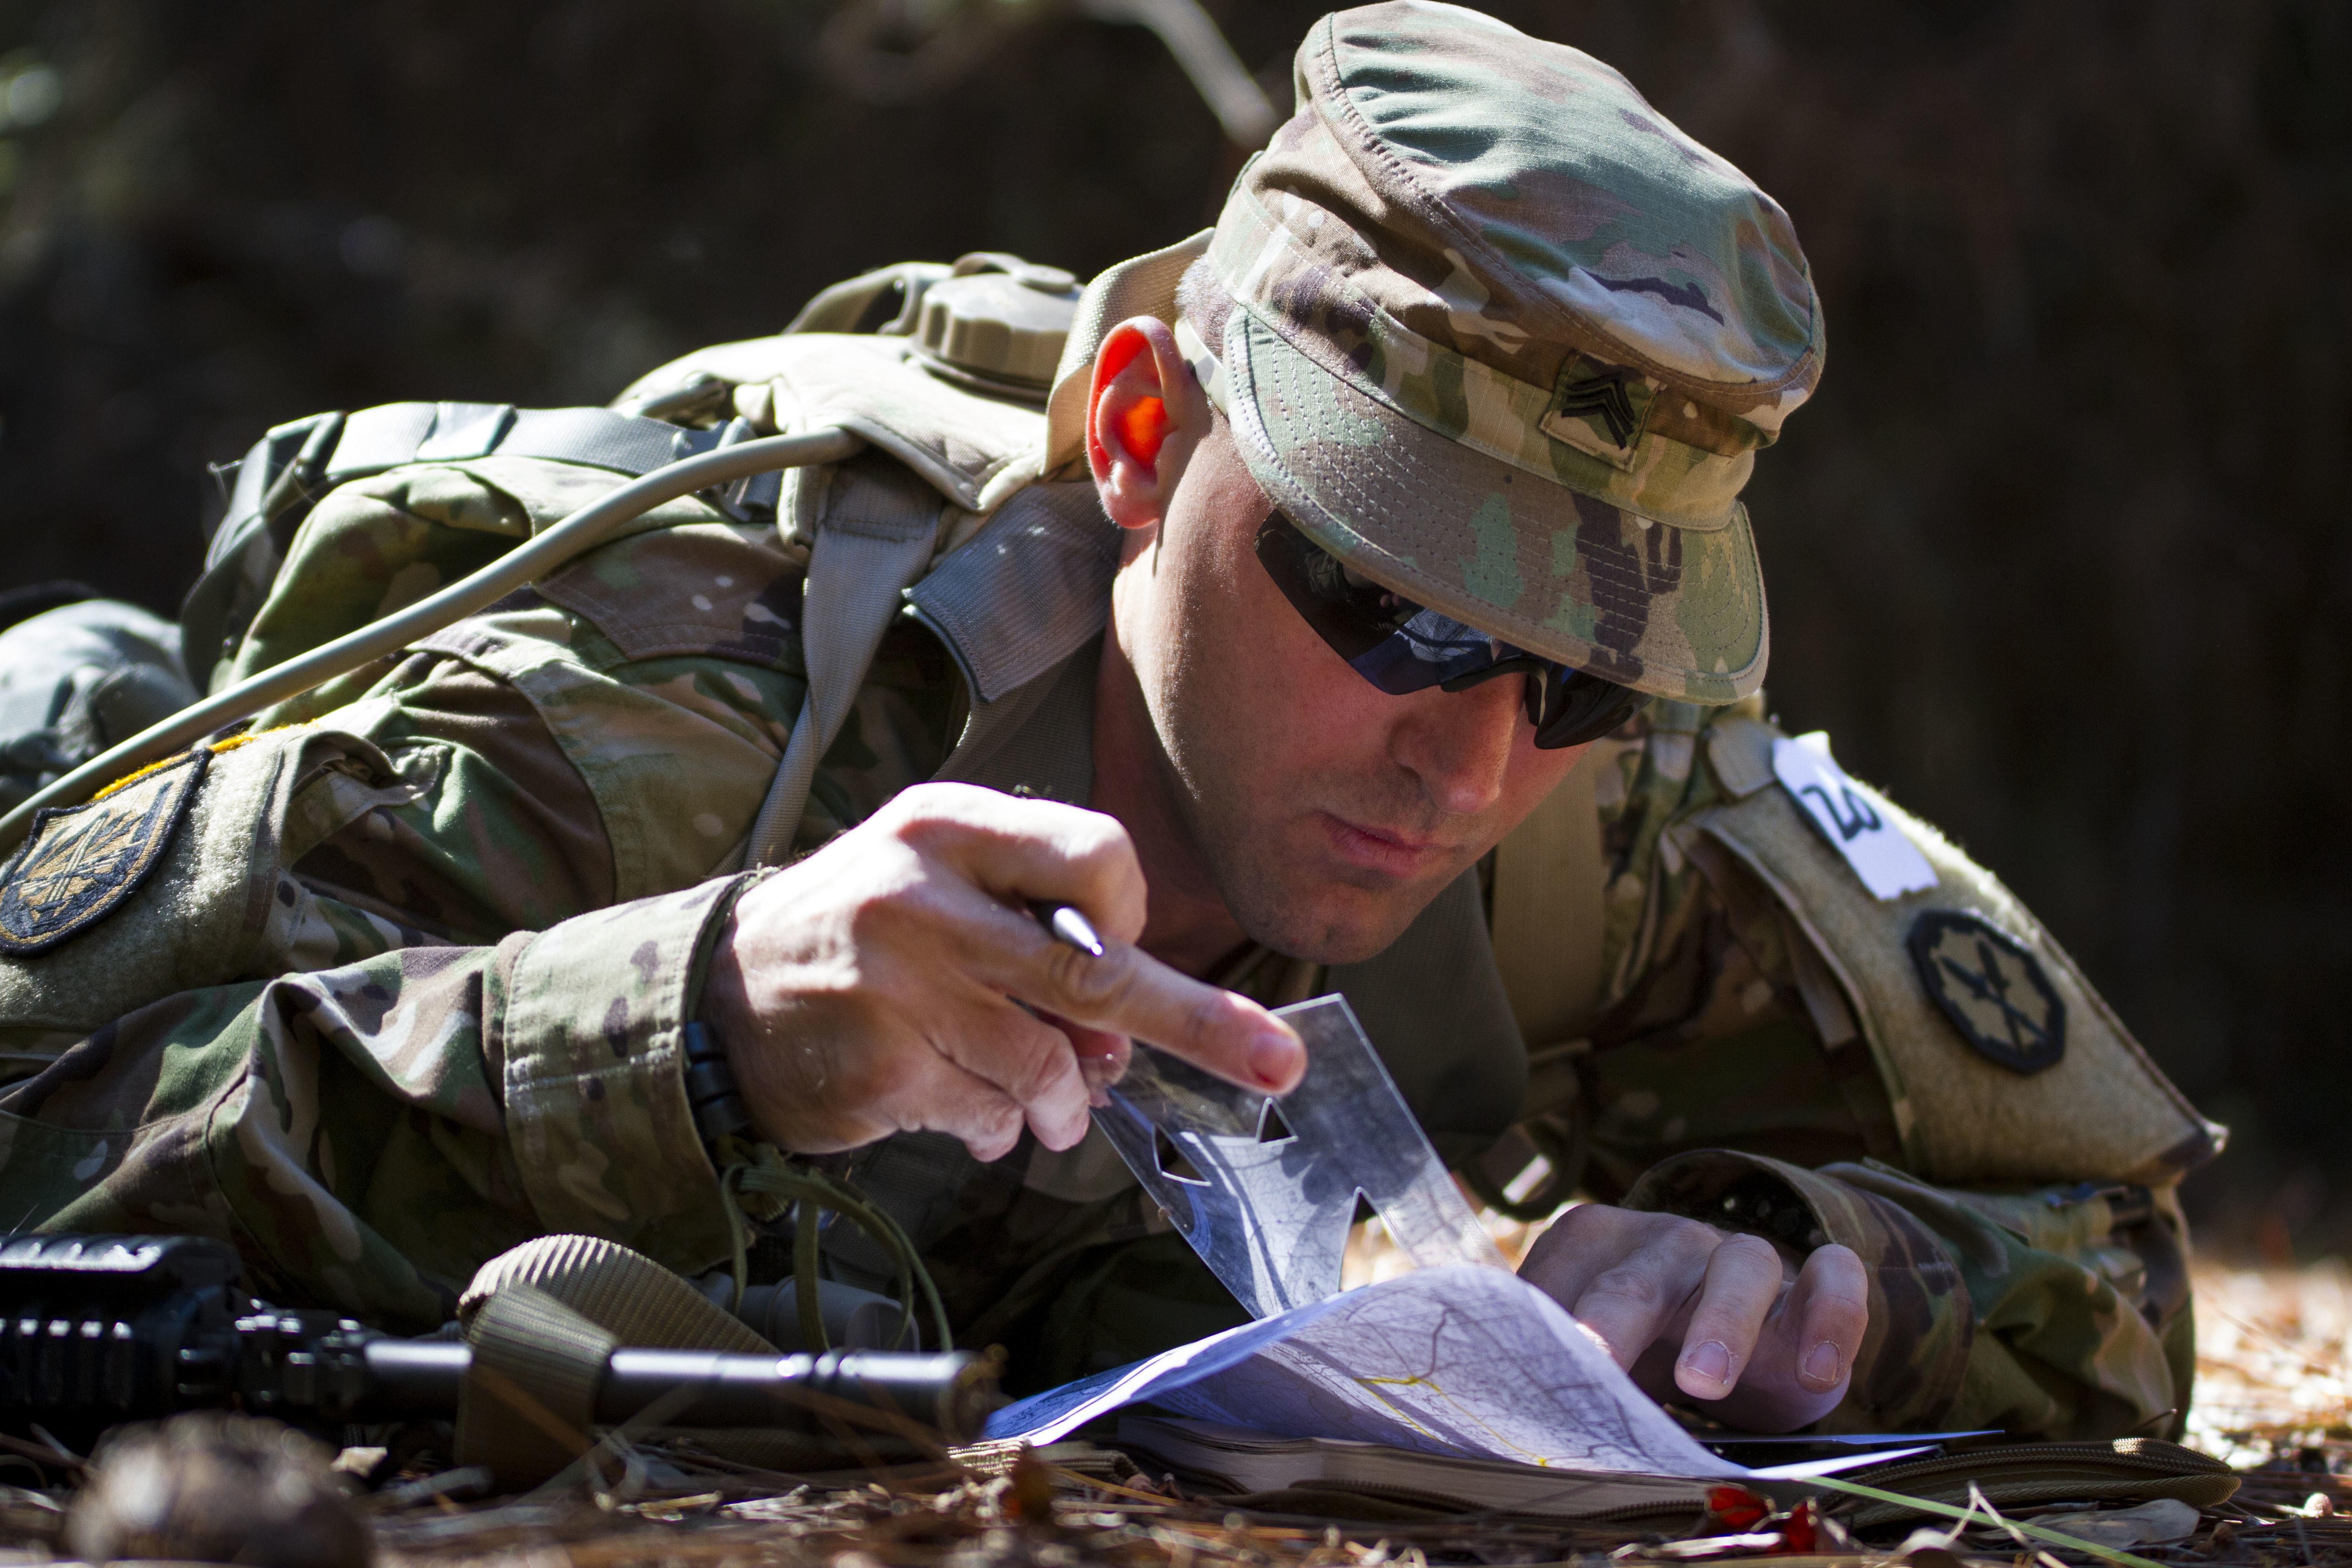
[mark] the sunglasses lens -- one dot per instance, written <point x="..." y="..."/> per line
<point x="1431" y="649"/>
<point x="1377" y="632"/>
<point x="1401" y="648"/>
<point x="1578" y="707"/>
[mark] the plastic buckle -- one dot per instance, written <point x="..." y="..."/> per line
<point x="752" y="493"/>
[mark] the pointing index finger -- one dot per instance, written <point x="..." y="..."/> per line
<point x="1126" y="991"/>
<point x="1026" y="852"/>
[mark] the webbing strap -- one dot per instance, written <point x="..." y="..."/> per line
<point x="1549" y="879"/>
<point x="873" y="542"/>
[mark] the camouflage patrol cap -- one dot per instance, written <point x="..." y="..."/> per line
<point x="1507" y="342"/>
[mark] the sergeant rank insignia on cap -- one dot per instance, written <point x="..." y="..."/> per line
<point x="82" y="861"/>
<point x="1993" y="990"/>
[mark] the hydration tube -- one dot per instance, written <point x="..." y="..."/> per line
<point x="526" y="563"/>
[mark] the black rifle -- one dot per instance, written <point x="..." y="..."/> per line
<point x="95" y="1330"/>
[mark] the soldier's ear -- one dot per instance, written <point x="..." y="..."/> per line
<point x="1145" y="416"/>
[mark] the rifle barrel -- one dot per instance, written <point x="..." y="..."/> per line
<point x="795" y="1392"/>
<point x="415" y="1377"/>
<point x="804" y="1394"/>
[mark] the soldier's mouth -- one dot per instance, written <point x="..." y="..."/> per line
<point x="1378" y="849"/>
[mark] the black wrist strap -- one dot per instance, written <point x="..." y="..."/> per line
<point x="710" y="1090"/>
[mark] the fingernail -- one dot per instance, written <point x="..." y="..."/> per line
<point x="1273" y="1058"/>
<point x="1100" y="1069"/>
<point x="1821" y="1366"/>
<point x="1711" y="1361"/>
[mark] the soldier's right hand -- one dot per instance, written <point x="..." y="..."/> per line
<point x="872" y="988"/>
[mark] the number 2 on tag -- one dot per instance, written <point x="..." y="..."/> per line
<point x="1888" y="863"/>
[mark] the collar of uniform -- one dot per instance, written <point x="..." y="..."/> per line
<point x="1037" y="738"/>
<point x="1030" y="589"/>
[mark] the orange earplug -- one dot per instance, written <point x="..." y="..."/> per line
<point x="1142" y="430"/>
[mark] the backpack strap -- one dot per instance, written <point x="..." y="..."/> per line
<point x="874" y="539"/>
<point x="1547" y="913"/>
<point x="1546" y="920"/>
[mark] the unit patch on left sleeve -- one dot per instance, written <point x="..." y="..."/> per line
<point x="1993" y="991"/>
<point x="82" y="861"/>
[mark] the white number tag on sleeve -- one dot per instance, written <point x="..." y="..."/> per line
<point x="1889" y="864"/>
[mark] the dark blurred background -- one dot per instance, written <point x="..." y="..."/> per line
<point x="2058" y="554"/>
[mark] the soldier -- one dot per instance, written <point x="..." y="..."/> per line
<point x="1394" y="520"/>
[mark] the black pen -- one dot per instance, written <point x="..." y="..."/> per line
<point x="1067" y="926"/>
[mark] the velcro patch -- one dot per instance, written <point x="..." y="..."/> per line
<point x="1993" y="990"/>
<point x="1598" y="409"/>
<point x="82" y="861"/>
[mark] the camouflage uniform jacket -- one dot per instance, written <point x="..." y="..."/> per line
<point x="408" y="984"/>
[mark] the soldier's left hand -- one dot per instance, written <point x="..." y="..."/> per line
<point x="1724" y="1322"/>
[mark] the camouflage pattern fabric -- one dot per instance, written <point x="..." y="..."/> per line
<point x="434" y="1009"/>
<point x="1508" y="341"/>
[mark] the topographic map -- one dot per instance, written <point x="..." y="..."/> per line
<point x="1466" y="1362"/>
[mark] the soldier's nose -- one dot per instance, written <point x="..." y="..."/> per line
<point x="1459" y="744"/>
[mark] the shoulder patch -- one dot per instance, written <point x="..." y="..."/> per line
<point x="1993" y="990"/>
<point x="82" y="861"/>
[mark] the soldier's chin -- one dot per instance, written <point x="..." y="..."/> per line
<point x="1328" y="922"/>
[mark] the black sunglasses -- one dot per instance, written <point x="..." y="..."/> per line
<point x="1400" y="646"/>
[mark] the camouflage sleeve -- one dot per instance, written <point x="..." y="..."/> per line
<point x="2057" y="1314"/>
<point x="368" y="1134"/>
<point x="370" y="1019"/>
<point x="1728" y="1080"/>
